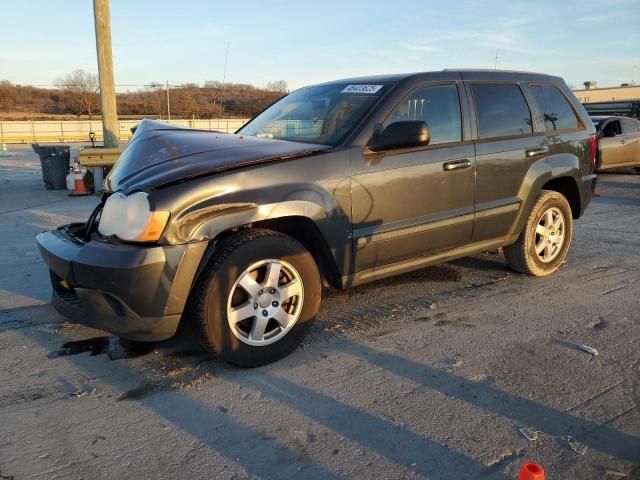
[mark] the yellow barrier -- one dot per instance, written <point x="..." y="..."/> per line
<point x="99" y="157"/>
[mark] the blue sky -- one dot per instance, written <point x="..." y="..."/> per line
<point x="309" y="42"/>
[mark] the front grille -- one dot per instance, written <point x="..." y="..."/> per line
<point x="70" y="298"/>
<point x="65" y="296"/>
<point x="69" y="304"/>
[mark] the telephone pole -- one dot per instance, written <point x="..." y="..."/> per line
<point x="105" y="70"/>
<point x="168" y="106"/>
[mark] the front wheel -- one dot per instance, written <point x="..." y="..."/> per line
<point x="546" y="237"/>
<point x="257" y="299"/>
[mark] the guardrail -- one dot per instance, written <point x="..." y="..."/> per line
<point x="54" y="131"/>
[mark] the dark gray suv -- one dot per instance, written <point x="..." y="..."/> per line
<point x="343" y="183"/>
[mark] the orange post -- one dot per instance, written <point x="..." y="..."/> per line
<point x="531" y="471"/>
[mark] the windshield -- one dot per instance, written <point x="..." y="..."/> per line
<point x="322" y="114"/>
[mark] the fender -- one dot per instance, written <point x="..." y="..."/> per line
<point x="563" y="165"/>
<point x="225" y="217"/>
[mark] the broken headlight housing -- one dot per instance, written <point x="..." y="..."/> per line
<point x="129" y="217"/>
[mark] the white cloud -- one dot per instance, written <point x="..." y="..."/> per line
<point x="419" y="47"/>
<point x="603" y="17"/>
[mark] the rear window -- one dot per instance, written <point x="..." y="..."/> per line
<point x="558" y="114"/>
<point x="502" y="110"/>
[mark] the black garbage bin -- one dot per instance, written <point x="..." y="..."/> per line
<point x="54" y="160"/>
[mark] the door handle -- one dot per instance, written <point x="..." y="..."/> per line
<point x="533" y="152"/>
<point x="456" y="165"/>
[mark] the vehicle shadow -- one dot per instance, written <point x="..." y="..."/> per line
<point x="261" y="455"/>
<point x="487" y="396"/>
<point x="396" y="443"/>
<point x="213" y="427"/>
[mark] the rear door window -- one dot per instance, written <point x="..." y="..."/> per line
<point x="438" y="106"/>
<point x="502" y="110"/>
<point x="558" y="114"/>
<point x="629" y="125"/>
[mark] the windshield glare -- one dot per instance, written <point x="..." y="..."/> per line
<point x="322" y="114"/>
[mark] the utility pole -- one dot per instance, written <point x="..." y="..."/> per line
<point x="226" y="60"/>
<point x="224" y="73"/>
<point x="168" y="106"/>
<point x="105" y="69"/>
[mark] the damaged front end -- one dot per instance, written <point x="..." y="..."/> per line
<point x="135" y="291"/>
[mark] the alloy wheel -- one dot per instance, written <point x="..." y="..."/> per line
<point x="550" y="234"/>
<point x="265" y="302"/>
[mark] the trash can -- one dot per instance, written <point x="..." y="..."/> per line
<point x="54" y="161"/>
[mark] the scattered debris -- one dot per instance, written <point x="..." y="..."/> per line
<point x="587" y="349"/>
<point x="86" y="390"/>
<point x="599" y="323"/>
<point x="173" y="380"/>
<point x="503" y="458"/>
<point x="532" y="435"/>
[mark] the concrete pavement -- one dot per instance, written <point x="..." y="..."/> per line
<point x="427" y="375"/>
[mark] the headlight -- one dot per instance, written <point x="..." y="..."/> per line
<point x="130" y="218"/>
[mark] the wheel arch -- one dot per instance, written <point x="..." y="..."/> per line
<point x="567" y="187"/>
<point x="559" y="173"/>
<point x="305" y="231"/>
<point x="300" y="227"/>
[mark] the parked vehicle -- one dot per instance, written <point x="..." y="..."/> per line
<point x="343" y="183"/>
<point x="618" y="142"/>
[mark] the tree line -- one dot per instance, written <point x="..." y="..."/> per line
<point x="78" y="94"/>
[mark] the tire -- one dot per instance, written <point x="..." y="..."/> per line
<point x="522" y="256"/>
<point x="637" y="169"/>
<point x="218" y="296"/>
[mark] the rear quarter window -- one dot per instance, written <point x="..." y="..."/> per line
<point x="502" y="110"/>
<point x="558" y="114"/>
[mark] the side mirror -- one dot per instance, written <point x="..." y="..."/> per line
<point x="403" y="134"/>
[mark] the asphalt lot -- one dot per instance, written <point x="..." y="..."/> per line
<point x="427" y="375"/>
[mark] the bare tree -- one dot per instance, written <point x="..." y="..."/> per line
<point x="212" y="92"/>
<point x="278" y="86"/>
<point x="155" y="99"/>
<point x="83" y="89"/>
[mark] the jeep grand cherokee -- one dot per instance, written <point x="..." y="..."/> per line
<point x="345" y="183"/>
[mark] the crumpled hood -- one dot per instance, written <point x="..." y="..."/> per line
<point x="159" y="154"/>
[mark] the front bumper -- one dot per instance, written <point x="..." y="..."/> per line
<point x="136" y="292"/>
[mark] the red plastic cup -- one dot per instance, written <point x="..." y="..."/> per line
<point x="531" y="471"/>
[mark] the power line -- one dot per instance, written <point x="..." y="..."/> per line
<point x="155" y="84"/>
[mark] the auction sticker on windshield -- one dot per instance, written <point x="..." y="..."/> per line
<point x="369" y="89"/>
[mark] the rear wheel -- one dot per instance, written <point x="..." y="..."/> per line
<point x="546" y="237"/>
<point x="257" y="298"/>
